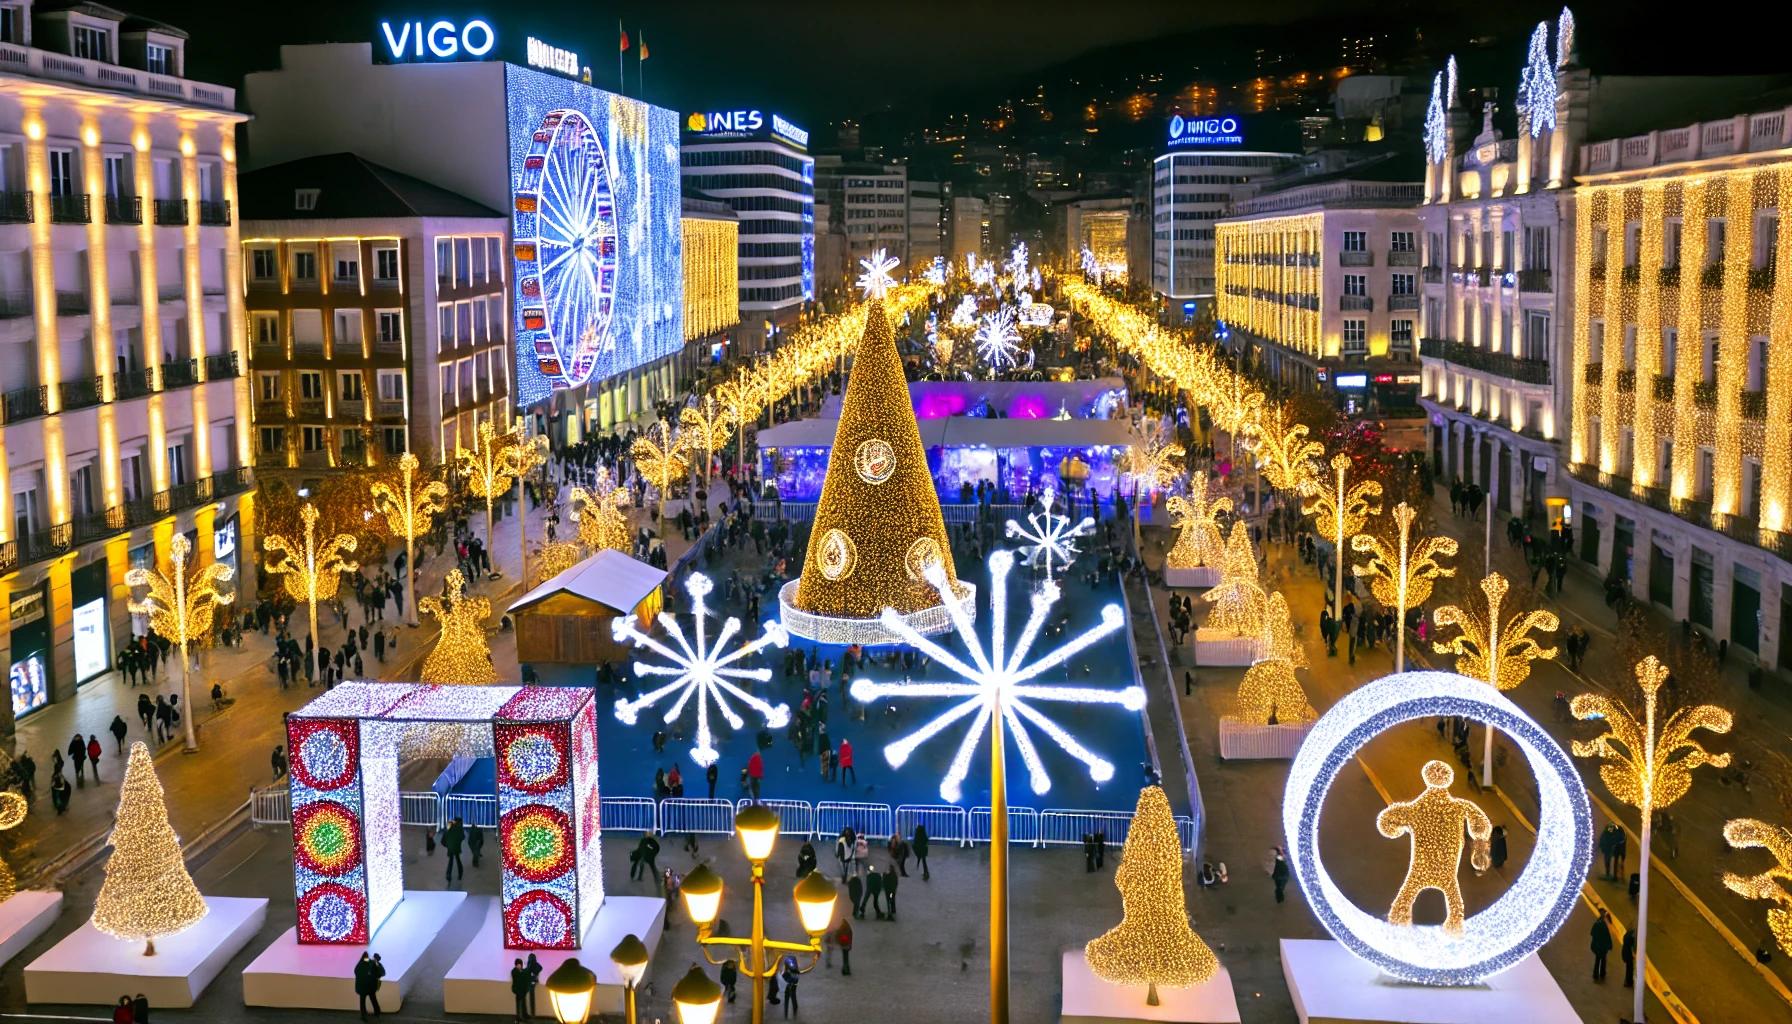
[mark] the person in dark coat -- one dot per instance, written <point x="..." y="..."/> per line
<point x="1608" y="847"/>
<point x="920" y="847"/>
<point x="1497" y="848"/>
<point x="1602" y="943"/>
<point x="77" y="752"/>
<point x="791" y="976"/>
<point x="874" y="892"/>
<point x="805" y="860"/>
<point x="533" y="966"/>
<point x="118" y="731"/>
<point x="452" y="837"/>
<point x="368" y="972"/>
<point x="1278" y="873"/>
<point x="1088" y="852"/>
<point x="855" y="892"/>
<point x="890" y="877"/>
<point x="140" y="1010"/>
<point x="520" y="987"/>
<point x="642" y="859"/>
<point x="899" y="850"/>
<point x="475" y="842"/>
<point x="843" y="938"/>
<point x="730" y="977"/>
<point x="1628" y="952"/>
<point x="709" y="775"/>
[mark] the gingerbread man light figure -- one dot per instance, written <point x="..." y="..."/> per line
<point x="1436" y="821"/>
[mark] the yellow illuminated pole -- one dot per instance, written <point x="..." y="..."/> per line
<point x="1410" y="584"/>
<point x="998" y="873"/>
<point x="487" y="475"/>
<point x="659" y="456"/>
<point x="318" y="576"/>
<point x="1347" y="510"/>
<point x="1502" y="658"/>
<point x="521" y="457"/>
<point x="1646" y="766"/>
<point x="181" y="610"/>
<point x="410" y="515"/>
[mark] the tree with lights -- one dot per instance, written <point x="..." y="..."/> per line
<point x="1199" y="543"/>
<point x="1238" y="601"/>
<point x="602" y="522"/>
<point x="148" y="893"/>
<point x="1153" y="944"/>
<point x="1153" y="465"/>
<point x="1402" y="581"/>
<point x="659" y="458"/>
<point x="463" y="653"/>
<point x="315" y="578"/>
<point x="410" y="511"/>
<point x="522" y="456"/>
<point x="181" y="608"/>
<point x="1748" y="833"/>
<point x="708" y="424"/>
<point x="488" y="475"/>
<point x="1285" y="457"/>
<point x="1340" y="514"/>
<point x="1485" y="651"/>
<point x="1270" y="692"/>
<point x="12" y="814"/>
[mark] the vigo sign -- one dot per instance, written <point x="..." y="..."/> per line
<point x="443" y="40"/>
<point x="1205" y="131"/>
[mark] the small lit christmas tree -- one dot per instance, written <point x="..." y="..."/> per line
<point x="12" y="814"/>
<point x="148" y="893"/>
<point x="1239" y="603"/>
<point x="1153" y="944"/>
<point x="463" y="654"/>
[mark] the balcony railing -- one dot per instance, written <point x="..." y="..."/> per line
<point x="311" y="407"/>
<point x="222" y="367"/>
<point x="1760" y="279"/>
<point x="269" y="409"/>
<point x="15" y="208"/>
<point x="1593" y="374"/>
<point x="98" y="74"/>
<point x="1663" y="390"/>
<point x="214" y="212"/>
<point x="16" y="306"/>
<point x="72" y="304"/>
<point x="1403" y="258"/>
<point x="25" y="403"/>
<point x="133" y="384"/>
<point x="1754" y="405"/>
<point x="1534" y="281"/>
<point x="43" y="545"/>
<point x="231" y="481"/>
<point x="124" y="210"/>
<point x="1501" y="364"/>
<point x="389" y="408"/>
<point x="351" y="408"/>
<point x="171" y="211"/>
<point x="1596" y="271"/>
<point x="82" y="393"/>
<point x="1402" y="302"/>
<point x="1355" y="303"/>
<point x="182" y="373"/>
<point x="388" y="343"/>
<point x="73" y="209"/>
<point x="1670" y="276"/>
<point x="307" y="346"/>
<point x="1630" y="273"/>
<point x="1712" y="276"/>
<point x="1356" y="259"/>
<point x="1433" y="275"/>
<point x="1705" y="393"/>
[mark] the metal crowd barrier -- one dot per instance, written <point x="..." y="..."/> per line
<point x="695" y="814"/>
<point x="945" y="823"/>
<point x="1067" y="828"/>
<point x="419" y="808"/>
<point x="628" y="814"/>
<point x="471" y="809"/>
<point x="873" y="821"/>
<point x="795" y="817"/>
<point x="1023" y="825"/>
<point x="271" y="806"/>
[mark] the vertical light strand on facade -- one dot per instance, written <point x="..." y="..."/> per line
<point x="1732" y="342"/>
<point x="238" y="337"/>
<point x="93" y="172"/>
<point x="1648" y="335"/>
<point x="1580" y="452"/>
<point x="195" y="292"/>
<point x="43" y="270"/>
<point x="1776" y="448"/>
<point x="149" y="300"/>
<point x="1610" y="302"/>
<point x="1690" y="362"/>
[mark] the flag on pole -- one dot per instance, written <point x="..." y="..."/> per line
<point x="624" y="34"/>
<point x="643" y="46"/>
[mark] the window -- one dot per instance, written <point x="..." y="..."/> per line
<point x="1596" y="341"/>
<point x="1767" y="236"/>
<point x="1536" y="335"/>
<point x="462" y="262"/>
<point x="273" y="439"/>
<point x="391" y="385"/>
<point x="268" y="385"/>
<point x="444" y="262"/>
<point x="178" y="473"/>
<point x="348" y="336"/>
<point x="480" y="334"/>
<point x="482" y="375"/>
<point x="1505" y="250"/>
<point x="445" y="326"/>
<point x="1665" y="470"/>
<point x="1536" y="248"/>
<point x="385" y="264"/>
<point x="266" y="330"/>
<point x="1670" y="351"/>
<point x="391" y="328"/>
<point x="394" y="440"/>
<point x="1593" y="437"/>
<point x="10" y="21"/>
<point x="159" y="60"/>
<point x="1670" y="243"/>
<point x="1633" y="234"/>
<point x="1707" y="462"/>
<point x="1757" y="364"/>
<point x="304" y="266"/>
<point x="494" y="307"/>
<point x="1400" y="334"/>
<point x="463" y="322"/>
<point x="1356" y="284"/>
<point x="305" y="199"/>
<point x="1751" y="487"/>
<point x="494" y="247"/>
<point x="1356" y="337"/>
<point x="311" y="385"/>
<point x="80" y="491"/>
<point x="1600" y="247"/>
<point x="1630" y="347"/>
<point x="1626" y="451"/>
<point x="464" y="373"/>
<point x="478" y="261"/>
<point x="1400" y="241"/>
<point x="25" y="515"/>
<point x="352" y="442"/>
<point x="1710" y="367"/>
<point x="312" y="439"/>
<point x="62" y="172"/>
<point x="348" y="269"/>
<point x="264" y="264"/>
<point x="118" y="175"/>
<point x="1405" y="284"/>
<point x="1714" y="241"/>
<point x="90" y="43"/>
<point x="1356" y="241"/>
<point x="349" y="386"/>
<point x="1434" y="249"/>
<point x="446" y="372"/>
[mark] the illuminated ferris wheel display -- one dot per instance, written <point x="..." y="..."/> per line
<point x="566" y="248"/>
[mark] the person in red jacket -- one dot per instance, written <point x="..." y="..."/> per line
<point x="755" y="772"/>
<point x="94" y="750"/>
<point x="844" y="938"/>
<point x="846" y="763"/>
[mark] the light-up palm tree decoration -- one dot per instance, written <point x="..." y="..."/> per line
<point x="488" y="474"/>
<point x="523" y="456"/>
<point x="1287" y="459"/>
<point x="1483" y="650"/>
<point x="314" y="576"/>
<point x="1403" y="581"/>
<point x="181" y="608"/>
<point x="659" y="458"/>
<point x="1153" y="465"/>
<point x="1648" y="765"/>
<point x="410" y="515"/>
<point x="708" y="424"/>
<point x="602" y="521"/>
<point x="1199" y="543"/>
<point x="1747" y="833"/>
<point x="1236" y="405"/>
<point x="1341" y="513"/>
<point x="739" y="398"/>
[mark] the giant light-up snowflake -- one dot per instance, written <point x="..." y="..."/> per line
<point x="1050" y="538"/>
<point x="966" y="313"/>
<point x="998" y="340"/>
<point x="876" y="279"/>
<point x="998" y="683"/>
<point x="1017" y="265"/>
<point x="702" y="671"/>
<point x="935" y="274"/>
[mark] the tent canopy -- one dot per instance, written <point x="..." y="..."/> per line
<point x="608" y="578"/>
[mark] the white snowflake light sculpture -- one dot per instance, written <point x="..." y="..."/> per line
<point x="876" y="279"/>
<point x="998" y="340"/>
<point x="1038" y="281"/>
<point x="1050" y="538"/>
<point x="966" y="313"/>
<point x="935" y="274"/>
<point x="998" y="683"/>
<point x="1017" y="265"/>
<point x="984" y="275"/>
<point x="702" y="671"/>
<point x="1091" y="266"/>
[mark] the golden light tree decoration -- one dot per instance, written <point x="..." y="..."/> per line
<point x="739" y="399"/>
<point x="1236" y="405"/>
<point x="1155" y="464"/>
<point x="1748" y="833"/>
<point x="316" y="574"/>
<point x="1341" y="513"/>
<point x="1239" y="602"/>
<point x="463" y="654"/>
<point x="410" y="514"/>
<point x="1199" y="542"/>
<point x="1648" y="763"/>
<point x="602" y="521"/>
<point x="148" y="892"/>
<point x="488" y="474"/>
<point x="180" y="609"/>
<point x="659" y="458"/>
<point x="1287" y="459"/>
<point x="1402" y="581"/>
<point x="12" y="814"/>
<point x="552" y="559"/>
<point x="708" y="425"/>
<point x="1153" y="944"/>
<point x="522" y="456"/>
<point x="1501" y="657"/>
<point x="1440" y="825"/>
<point x="1270" y="693"/>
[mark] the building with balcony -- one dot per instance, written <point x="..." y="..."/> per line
<point x="927" y="203"/>
<point x="759" y="164"/>
<point x="966" y="228"/>
<point x="124" y="414"/>
<point x="377" y="312"/>
<point x="873" y="206"/>
<point x="1680" y="422"/>
<point x="1320" y="281"/>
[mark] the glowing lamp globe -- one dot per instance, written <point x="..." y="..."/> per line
<point x="697" y="999"/>
<point x="702" y="891"/>
<point x="630" y="957"/>
<point x="815" y="897"/>
<point x="570" y="988"/>
<point x="758" y="827"/>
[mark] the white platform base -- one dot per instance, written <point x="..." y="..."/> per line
<point x="479" y="982"/>
<point x="24" y="917"/>
<point x="1218" y="649"/>
<point x="1090" y="1000"/>
<point x="1201" y="576"/>
<point x="1242" y="740"/>
<point x="93" y="968"/>
<point x="323" y="977"/>
<point x="1331" y="985"/>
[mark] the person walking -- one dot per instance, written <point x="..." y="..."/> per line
<point x="846" y="763"/>
<point x="920" y="847"/>
<point x="791" y="977"/>
<point x="899" y="853"/>
<point x="520" y="987"/>
<point x="843" y="939"/>
<point x="140" y="1009"/>
<point x="146" y="711"/>
<point x="890" y="877"/>
<point x="119" y="729"/>
<point x="1608" y="848"/>
<point x="755" y="772"/>
<point x="1602" y="943"/>
<point x="709" y="775"/>
<point x="475" y="842"/>
<point x="1628" y="952"/>
<point x="77" y="752"/>
<point x="452" y="837"/>
<point x="1278" y="872"/>
<point x="94" y="750"/>
<point x="642" y="859"/>
<point x="368" y="972"/>
<point x="1620" y="847"/>
<point x="730" y="978"/>
<point x="855" y="893"/>
<point x="874" y="892"/>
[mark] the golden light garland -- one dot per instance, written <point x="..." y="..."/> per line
<point x="1439" y="824"/>
<point x="711" y="276"/>
<point x="1199" y="543"/>
<point x="1259" y="262"/>
<point x="554" y="558"/>
<point x="181" y="608"/>
<point x="487" y="471"/>
<point x="1288" y="460"/>
<point x="1485" y="651"/>
<point x="1155" y="464"/>
<point x="1748" y="833"/>
<point x="1153" y="944"/>
<point x="1270" y="692"/>
<point x="659" y="458"/>
<point x="1402" y="581"/>
<point x="1645" y="766"/>
<point x="463" y="654"/>
<point x="708" y="425"/>
<point x="148" y="892"/>
<point x="12" y="814"/>
<point x="410" y="514"/>
<point x="317" y="575"/>
<point x="602" y="521"/>
<point x="1239" y="603"/>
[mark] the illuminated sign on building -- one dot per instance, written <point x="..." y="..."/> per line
<point x="1205" y="131"/>
<point x="789" y="131"/>
<point x="743" y="122"/>
<point x="442" y="40"/>
<point x="552" y="58"/>
<point x="1407" y="378"/>
<point x="1353" y="380"/>
<point x="1384" y="378"/>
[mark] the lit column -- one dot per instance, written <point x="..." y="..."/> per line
<point x="1732" y="351"/>
<point x="195" y="292"/>
<point x="1690" y="362"/>
<point x="43" y="272"/>
<point x="93" y="170"/>
<point x="1496" y="289"/>
<point x="1776" y="451"/>
<point x="1646" y="445"/>
<point x="233" y="297"/>
<point x="149" y="301"/>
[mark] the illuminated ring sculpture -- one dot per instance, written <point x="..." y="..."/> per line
<point x="566" y="248"/>
<point x="1520" y="921"/>
<point x="831" y="629"/>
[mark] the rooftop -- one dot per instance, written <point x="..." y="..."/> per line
<point x="347" y="187"/>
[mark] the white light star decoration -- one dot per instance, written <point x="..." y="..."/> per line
<point x="998" y="340"/>
<point x="935" y="274"/>
<point x="999" y="683"/>
<point x="966" y="313"/>
<point x="876" y="279"/>
<point x="1050" y="537"/>
<point x="702" y="671"/>
<point x="1017" y="265"/>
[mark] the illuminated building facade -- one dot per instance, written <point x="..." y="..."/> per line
<point x="1680" y="424"/>
<point x="1194" y="187"/>
<point x="124" y="417"/>
<point x="711" y="273"/>
<point x="378" y="313"/>
<point x="759" y="164"/>
<point x="967" y="226"/>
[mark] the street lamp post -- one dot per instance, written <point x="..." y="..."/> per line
<point x="317" y="577"/>
<point x="488" y="476"/>
<point x="1346" y="511"/>
<point x="758" y="826"/>
<point x="410" y="516"/>
<point x="571" y="986"/>
<point x="630" y="957"/>
<point x="182" y="611"/>
<point x="698" y="999"/>
<point x="1403" y="581"/>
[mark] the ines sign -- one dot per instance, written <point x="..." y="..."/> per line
<point x="1205" y="131"/>
<point x="441" y="40"/>
<point x="744" y="122"/>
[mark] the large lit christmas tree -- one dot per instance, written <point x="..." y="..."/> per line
<point x="1153" y="944"/>
<point x="878" y="525"/>
<point x="148" y="893"/>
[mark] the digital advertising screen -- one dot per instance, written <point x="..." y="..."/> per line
<point x="596" y="189"/>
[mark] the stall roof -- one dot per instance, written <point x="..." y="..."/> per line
<point x="609" y="578"/>
<point x="967" y="432"/>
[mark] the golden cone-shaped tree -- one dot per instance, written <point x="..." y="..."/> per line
<point x="148" y="892"/>
<point x="1153" y="944"/>
<point x="878" y="523"/>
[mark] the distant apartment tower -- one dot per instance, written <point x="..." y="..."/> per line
<point x="966" y="227"/>
<point x="874" y="212"/>
<point x="759" y="164"/>
<point x="926" y="223"/>
<point x="1194" y="184"/>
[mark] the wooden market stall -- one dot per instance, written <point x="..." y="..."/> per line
<point x="566" y="620"/>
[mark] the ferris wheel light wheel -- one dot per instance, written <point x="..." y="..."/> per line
<point x="566" y="248"/>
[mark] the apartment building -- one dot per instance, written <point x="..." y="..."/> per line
<point x="121" y="323"/>
<point x="759" y="164"/>
<point x="967" y="227"/>
<point x="927" y="203"/>
<point x="1195" y="184"/>
<point x="349" y="265"/>
<point x="875" y="210"/>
